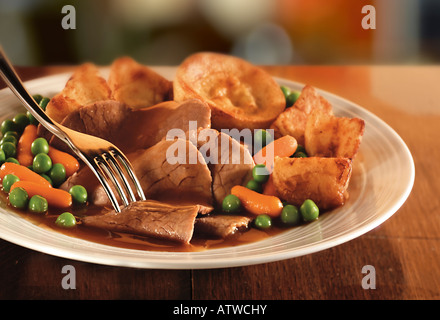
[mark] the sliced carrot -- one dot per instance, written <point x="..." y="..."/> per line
<point x="257" y="203"/>
<point x="55" y="197"/>
<point x="24" y="154"/>
<point x="23" y="173"/>
<point x="281" y="147"/>
<point x="69" y="162"/>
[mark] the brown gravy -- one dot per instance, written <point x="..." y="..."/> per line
<point x="130" y="241"/>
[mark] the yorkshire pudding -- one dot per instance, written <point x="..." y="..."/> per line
<point x="239" y="94"/>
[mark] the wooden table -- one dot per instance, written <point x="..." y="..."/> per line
<point x="405" y="250"/>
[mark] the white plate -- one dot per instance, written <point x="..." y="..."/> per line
<point x="382" y="180"/>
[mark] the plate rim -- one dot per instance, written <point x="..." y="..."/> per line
<point x="232" y="261"/>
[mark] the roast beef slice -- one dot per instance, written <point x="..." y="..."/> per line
<point x="229" y="161"/>
<point x="149" y="218"/>
<point x="130" y="129"/>
<point x="184" y="182"/>
<point x="221" y="226"/>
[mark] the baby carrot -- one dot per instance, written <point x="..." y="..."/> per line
<point x="23" y="173"/>
<point x="55" y="197"/>
<point x="69" y="162"/>
<point x="281" y="147"/>
<point x="24" y="154"/>
<point x="257" y="203"/>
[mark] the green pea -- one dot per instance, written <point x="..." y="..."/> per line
<point x="37" y="97"/>
<point x="260" y="173"/>
<point x="32" y="119"/>
<point x="66" y="220"/>
<point x="2" y="156"/>
<point x="45" y="176"/>
<point x="255" y="186"/>
<point x="39" y="145"/>
<point x="8" y="125"/>
<point x="43" y="103"/>
<point x="309" y="210"/>
<point x="9" y="138"/>
<point x="21" y="120"/>
<point x="290" y="215"/>
<point x="79" y="194"/>
<point x="231" y="204"/>
<point x="261" y="138"/>
<point x="9" y="149"/>
<point x="13" y="160"/>
<point x="11" y="133"/>
<point x="299" y="154"/>
<point x="286" y="91"/>
<point x="42" y="163"/>
<point x="18" y="198"/>
<point x="300" y="148"/>
<point x="292" y="97"/>
<point x="263" y="221"/>
<point x="57" y="174"/>
<point x="8" y="181"/>
<point x="38" y="204"/>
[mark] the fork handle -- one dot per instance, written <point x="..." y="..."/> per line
<point x="16" y="85"/>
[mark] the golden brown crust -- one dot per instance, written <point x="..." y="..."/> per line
<point x="85" y="86"/>
<point x="239" y="94"/>
<point x="137" y="85"/>
<point x="330" y="136"/>
<point x="293" y="120"/>
<point x="323" y="180"/>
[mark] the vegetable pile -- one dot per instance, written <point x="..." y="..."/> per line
<point x="31" y="171"/>
<point x="258" y="197"/>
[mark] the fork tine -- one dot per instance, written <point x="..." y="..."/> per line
<point x="101" y="175"/>
<point x="110" y="158"/>
<point x="129" y="169"/>
<point x="111" y="175"/>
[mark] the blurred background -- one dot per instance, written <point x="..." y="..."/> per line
<point x="164" y="32"/>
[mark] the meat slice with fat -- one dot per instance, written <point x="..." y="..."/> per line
<point x="149" y="218"/>
<point x="130" y="129"/>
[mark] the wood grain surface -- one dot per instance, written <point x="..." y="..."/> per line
<point x="405" y="250"/>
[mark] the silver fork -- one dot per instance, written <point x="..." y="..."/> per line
<point x="106" y="161"/>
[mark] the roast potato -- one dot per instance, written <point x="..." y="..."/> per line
<point x="239" y="94"/>
<point x="323" y="180"/>
<point x="85" y="86"/>
<point x="137" y="85"/>
<point x="293" y="120"/>
<point x="330" y="136"/>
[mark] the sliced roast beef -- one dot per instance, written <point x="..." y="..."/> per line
<point x="229" y="161"/>
<point x="221" y="226"/>
<point x="103" y="119"/>
<point x="162" y="178"/>
<point x="149" y="218"/>
<point x="130" y="129"/>
<point x="174" y="171"/>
